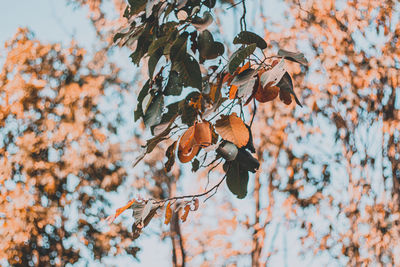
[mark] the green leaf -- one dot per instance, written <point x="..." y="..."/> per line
<point x="286" y="84"/>
<point x="237" y="178"/>
<point x="178" y="48"/>
<point x="195" y="165"/>
<point x="154" y="111"/>
<point x="189" y="113"/>
<point x="239" y="56"/>
<point x="156" y="44"/>
<point x="174" y="85"/>
<point x="247" y="161"/>
<point x="170" y="153"/>
<point x="293" y="56"/>
<point x="207" y="47"/>
<point x="209" y="3"/>
<point x="169" y="116"/>
<point x="246" y="37"/>
<point x="137" y="6"/>
<point x="142" y="94"/>
<point x="153" y="60"/>
<point x="189" y="71"/>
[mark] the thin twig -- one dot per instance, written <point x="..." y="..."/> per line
<point x="193" y="196"/>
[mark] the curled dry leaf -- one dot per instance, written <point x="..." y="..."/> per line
<point x="197" y="136"/>
<point x="267" y="93"/>
<point x="203" y="134"/>
<point x="195" y="204"/>
<point x="111" y="218"/>
<point x="233" y="129"/>
<point x="187" y="148"/>
<point x="186" y="213"/>
<point x="168" y="213"/>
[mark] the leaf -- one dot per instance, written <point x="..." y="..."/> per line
<point x="143" y="213"/>
<point x="168" y="213"/>
<point x="186" y="213"/>
<point x="236" y="178"/>
<point x="137" y="6"/>
<point x="209" y="49"/>
<point x="170" y="153"/>
<point x="195" y="204"/>
<point x="274" y="75"/>
<point x="233" y="129"/>
<point x="153" y="60"/>
<point x="189" y="71"/>
<point x="187" y="149"/>
<point x="286" y="87"/>
<point x="246" y="37"/>
<point x="156" y="44"/>
<point x="203" y="134"/>
<point x="202" y="23"/>
<point x="142" y="94"/>
<point x="239" y="56"/>
<point x="293" y="56"/>
<point x="189" y="109"/>
<point x="111" y="218"/>
<point x="154" y="111"/>
<point x="247" y="161"/>
<point x="267" y="93"/>
<point x="178" y="48"/>
<point x="246" y="88"/>
<point x="209" y="3"/>
<point x="195" y="165"/>
<point x="174" y="85"/>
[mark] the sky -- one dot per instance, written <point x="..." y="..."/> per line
<point x="55" y="21"/>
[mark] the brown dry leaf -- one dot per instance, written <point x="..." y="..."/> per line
<point x="184" y="216"/>
<point x="187" y="148"/>
<point x="234" y="88"/>
<point x="268" y="93"/>
<point x="195" y="204"/>
<point x="168" y="213"/>
<point x="233" y="129"/>
<point x="284" y="95"/>
<point x="203" y="134"/>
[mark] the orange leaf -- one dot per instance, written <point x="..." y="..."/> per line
<point x="196" y="204"/>
<point x="203" y="134"/>
<point x="268" y="93"/>
<point x="187" y="148"/>
<point x="233" y="91"/>
<point x="120" y="210"/>
<point x="168" y="213"/>
<point x="233" y="129"/>
<point x="184" y="216"/>
<point x="284" y="95"/>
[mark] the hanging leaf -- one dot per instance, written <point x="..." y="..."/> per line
<point x="174" y="85"/>
<point x="178" y="48"/>
<point x="202" y="23"/>
<point x="137" y="6"/>
<point x="111" y="218"/>
<point x="209" y="3"/>
<point x="142" y="94"/>
<point x="207" y="47"/>
<point x="189" y="71"/>
<point x="168" y="213"/>
<point x="195" y="165"/>
<point x="236" y="178"/>
<point x="293" y="56"/>
<point x="153" y="113"/>
<point x="190" y="108"/>
<point x="246" y="37"/>
<point x="239" y="56"/>
<point x="143" y="213"/>
<point x="170" y="153"/>
<point x="186" y="213"/>
<point x="247" y="161"/>
<point x="187" y="149"/>
<point x="195" y="204"/>
<point x="286" y="88"/>
<point x="250" y="145"/>
<point x="203" y="134"/>
<point x="267" y="93"/>
<point x="274" y="75"/>
<point x="233" y="129"/>
<point x="153" y="60"/>
<point x="246" y="89"/>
